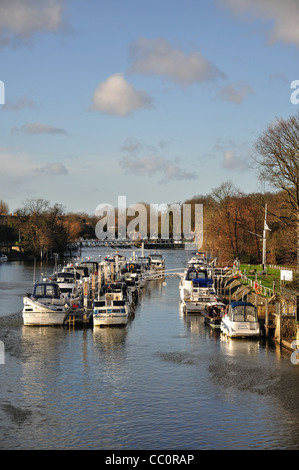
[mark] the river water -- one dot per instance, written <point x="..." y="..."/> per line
<point x="165" y="381"/>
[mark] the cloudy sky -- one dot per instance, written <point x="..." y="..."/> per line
<point x="154" y="100"/>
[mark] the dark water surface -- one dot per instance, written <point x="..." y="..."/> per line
<point x="166" y="381"/>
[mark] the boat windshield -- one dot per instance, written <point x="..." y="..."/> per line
<point x="196" y="275"/>
<point x="244" y="313"/>
<point x="46" y="290"/>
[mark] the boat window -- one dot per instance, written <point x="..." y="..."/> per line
<point x="39" y="291"/>
<point x="201" y="275"/>
<point x="50" y="291"/>
<point x="118" y="302"/>
<point x="244" y="313"/>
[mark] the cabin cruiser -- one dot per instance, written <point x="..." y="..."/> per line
<point x="133" y="271"/>
<point x="147" y="270"/>
<point x="214" y="312"/>
<point x="198" y="260"/>
<point x="133" y="282"/>
<point x="196" y="289"/>
<point x="69" y="284"/>
<point x="3" y="257"/>
<point x="112" y="306"/>
<point x="46" y="305"/>
<point x="157" y="262"/>
<point x="240" y="320"/>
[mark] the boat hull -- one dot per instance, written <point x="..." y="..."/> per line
<point x="108" y="319"/>
<point x="37" y="314"/>
<point x="240" y="329"/>
<point x="213" y="322"/>
<point x="193" y="307"/>
<point x="43" y="319"/>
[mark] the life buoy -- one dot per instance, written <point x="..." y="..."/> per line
<point x="257" y="288"/>
<point x="132" y="266"/>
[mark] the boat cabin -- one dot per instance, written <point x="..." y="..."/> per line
<point x="192" y="274"/>
<point x="242" y="312"/>
<point x="46" y="290"/>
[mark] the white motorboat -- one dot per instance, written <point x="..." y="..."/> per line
<point x="70" y="285"/>
<point x="157" y="262"/>
<point x="3" y="257"/>
<point x="112" y="306"/>
<point x="198" y="260"/>
<point x="46" y="305"/>
<point x="240" y="320"/>
<point x="196" y="289"/>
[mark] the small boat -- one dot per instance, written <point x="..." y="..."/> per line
<point x="112" y="306"/>
<point x="157" y="262"/>
<point x="46" y="305"/>
<point x="3" y="257"/>
<point x="240" y="320"/>
<point x="214" y="313"/>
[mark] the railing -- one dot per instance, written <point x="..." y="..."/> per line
<point x="257" y="286"/>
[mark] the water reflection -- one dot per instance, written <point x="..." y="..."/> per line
<point x="166" y="380"/>
<point x="109" y="339"/>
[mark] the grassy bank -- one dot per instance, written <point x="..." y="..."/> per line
<point x="254" y="271"/>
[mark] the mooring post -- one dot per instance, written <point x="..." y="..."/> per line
<point x="278" y="322"/>
<point x="267" y="318"/>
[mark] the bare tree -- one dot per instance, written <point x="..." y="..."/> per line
<point x="277" y="160"/>
<point x="3" y="208"/>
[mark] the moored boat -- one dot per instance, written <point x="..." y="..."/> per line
<point x="157" y="262"/>
<point x="112" y="306"/>
<point x="213" y="313"/>
<point x="196" y="290"/>
<point x="46" y="305"/>
<point x="3" y="257"/>
<point x="240" y="320"/>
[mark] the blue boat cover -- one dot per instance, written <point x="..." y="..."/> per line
<point x="236" y="304"/>
<point x="202" y="282"/>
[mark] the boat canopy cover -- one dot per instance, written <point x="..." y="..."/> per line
<point x="203" y="282"/>
<point x="46" y="290"/>
<point x="240" y="303"/>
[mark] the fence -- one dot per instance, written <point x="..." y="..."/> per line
<point x="257" y="286"/>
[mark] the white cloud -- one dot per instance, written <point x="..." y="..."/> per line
<point x="20" y="19"/>
<point x="116" y="96"/>
<point x="38" y="128"/>
<point x="159" y="57"/>
<point x="284" y="16"/>
<point x="236" y="92"/>
<point x="55" y="168"/>
<point x="152" y="165"/>
<point x="18" y="105"/>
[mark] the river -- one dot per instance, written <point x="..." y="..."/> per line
<point x="165" y="381"/>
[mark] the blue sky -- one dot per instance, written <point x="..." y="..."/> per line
<point x="156" y="101"/>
